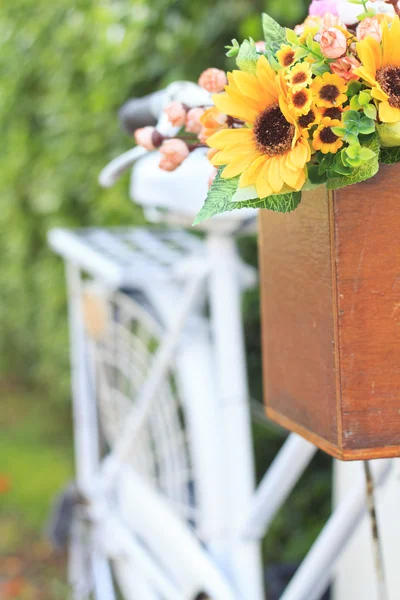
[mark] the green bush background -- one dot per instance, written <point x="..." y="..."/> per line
<point x="65" y="68"/>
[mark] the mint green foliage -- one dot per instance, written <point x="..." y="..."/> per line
<point x="353" y="125"/>
<point x="363" y="102"/>
<point x="369" y="148"/>
<point x="219" y="200"/>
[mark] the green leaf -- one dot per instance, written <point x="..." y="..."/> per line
<point x="319" y="68"/>
<point x="389" y="134"/>
<point x="291" y="36"/>
<point x="354" y="103"/>
<point x="364" y="98"/>
<point x="325" y="163"/>
<point x="367" y="154"/>
<point x="366" y="126"/>
<point x="390" y="156"/>
<point x="354" y="88"/>
<point x="351" y="116"/>
<point x="366" y="15"/>
<point x="339" y="131"/>
<point x="219" y="200"/>
<point x="233" y="49"/>
<point x="273" y="32"/>
<point x="370" y="111"/>
<point x="315" y="176"/>
<point x="365" y="171"/>
<point x="247" y="57"/>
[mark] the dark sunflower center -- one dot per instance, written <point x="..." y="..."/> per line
<point x="299" y="77"/>
<point x="389" y="80"/>
<point x="327" y="136"/>
<point x="306" y="120"/>
<point x="299" y="99"/>
<point x="272" y="133"/>
<point x="288" y="58"/>
<point x="330" y="93"/>
<point x="333" y="113"/>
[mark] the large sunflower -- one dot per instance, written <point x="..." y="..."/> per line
<point x="381" y="69"/>
<point x="269" y="152"/>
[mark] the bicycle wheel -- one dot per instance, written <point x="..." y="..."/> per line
<point x="127" y="333"/>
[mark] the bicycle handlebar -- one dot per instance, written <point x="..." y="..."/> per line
<point x="139" y="112"/>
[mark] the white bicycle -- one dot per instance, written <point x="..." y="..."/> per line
<point x="166" y="506"/>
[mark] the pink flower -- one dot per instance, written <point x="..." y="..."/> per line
<point x="333" y="43"/>
<point x="173" y="153"/>
<point x="344" y="67"/>
<point x="144" y="137"/>
<point x="369" y="28"/>
<point x="213" y="80"/>
<point x="176" y="114"/>
<point x="319" y="8"/>
<point x="193" y="123"/>
<point x="261" y="47"/>
<point x="330" y="20"/>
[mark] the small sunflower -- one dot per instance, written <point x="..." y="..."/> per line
<point x="286" y="56"/>
<point x="299" y="76"/>
<point x="324" y="139"/>
<point x="381" y="69"/>
<point x="329" y="90"/>
<point x="300" y="101"/>
<point x="305" y="122"/>
<point x="333" y="112"/>
<point x="269" y="153"/>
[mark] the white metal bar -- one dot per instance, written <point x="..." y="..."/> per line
<point x="316" y="571"/>
<point x="113" y="171"/>
<point x="162" y="362"/>
<point x="276" y="485"/>
<point x="83" y="396"/>
<point x="243" y="556"/>
<point x="102" y="577"/>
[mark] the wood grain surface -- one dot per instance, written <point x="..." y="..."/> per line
<point x="330" y="292"/>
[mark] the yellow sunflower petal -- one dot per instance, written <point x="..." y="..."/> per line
<point x="390" y="43"/>
<point x="249" y="86"/>
<point x="387" y="113"/>
<point x="232" y="153"/>
<point x="262" y="184"/>
<point x="267" y="76"/>
<point x="288" y="175"/>
<point x="237" y="165"/>
<point x="231" y="107"/>
<point x="301" y="180"/>
<point x="249" y="176"/>
<point x="379" y="94"/>
<point x="226" y="137"/>
<point x="368" y="54"/>
<point x="298" y="157"/>
<point x="274" y="177"/>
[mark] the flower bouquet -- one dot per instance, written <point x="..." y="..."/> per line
<point x="317" y="105"/>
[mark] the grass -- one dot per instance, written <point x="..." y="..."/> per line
<point x="36" y="462"/>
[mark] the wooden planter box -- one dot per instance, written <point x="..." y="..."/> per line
<point x="330" y="278"/>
